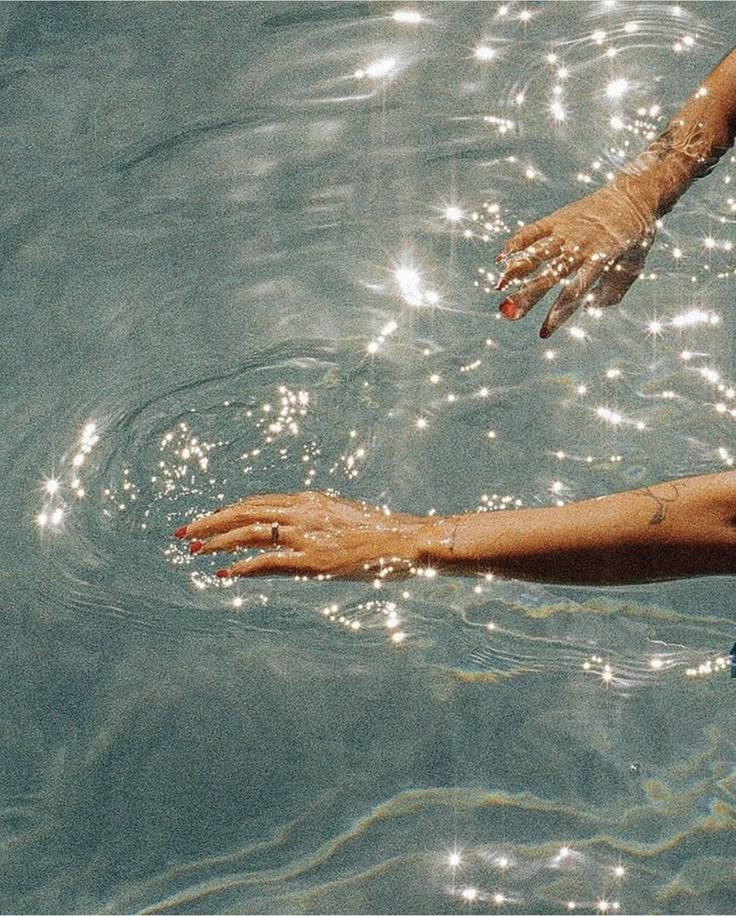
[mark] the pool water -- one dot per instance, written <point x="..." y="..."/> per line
<point x="246" y="248"/>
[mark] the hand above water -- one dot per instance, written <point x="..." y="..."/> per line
<point x="311" y="534"/>
<point x="595" y="247"/>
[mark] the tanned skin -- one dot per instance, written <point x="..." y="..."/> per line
<point x="595" y="247"/>
<point x="673" y="530"/>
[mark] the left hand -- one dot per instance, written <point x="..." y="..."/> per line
<point x="311" y="534"/>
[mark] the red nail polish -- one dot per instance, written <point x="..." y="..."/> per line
<point x="195" y="546"/>
<point x="180" y="532"/>
<point x="508" y="309"/>
<point x="545" y="332"/>
<point x="222" y="574"/>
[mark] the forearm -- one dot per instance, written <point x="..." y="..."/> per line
<point x="672" y="530"/>
<point x="695" y="139"/>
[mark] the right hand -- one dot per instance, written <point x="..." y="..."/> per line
<point x="596" y="245"/>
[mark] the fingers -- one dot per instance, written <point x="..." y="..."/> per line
<point x="523" y="238"/>
<point x="529" y="260"/>
<point x="569" y="299"/>
<point x="266" y="509"/>
<point x="257" y="535"/>
<point x="527" y="296"/>
<point x="617" y="282"/>
<point x="266" y="564"/>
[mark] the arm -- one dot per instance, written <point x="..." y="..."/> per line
<point x="693" y="142"/>
<point x="667" y="531"/>
<point x="671" y="530"/>
<point x="596" y="246"/>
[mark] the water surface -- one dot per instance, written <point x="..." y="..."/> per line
<point x="244" y="248"/>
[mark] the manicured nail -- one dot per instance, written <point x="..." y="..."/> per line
<point x="180" y="532"/>
<point x="195" y="546"/>
<point x="222" y="574"/>
<point x="546" y="331"/>
<point x="508" y="309"/>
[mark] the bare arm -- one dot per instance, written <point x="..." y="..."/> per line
<point x="667" y="531"/>
<point x="596" y="246"/>
<point x="693" y="142"/>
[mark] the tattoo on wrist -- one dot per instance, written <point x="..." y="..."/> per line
<point x="678" y="143"/>
<point x="662" y="146"/>
<point x="689" y="140"/>
<point x="660" y="513"/>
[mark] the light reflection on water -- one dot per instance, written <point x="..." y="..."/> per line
<point x="247" y="248"/>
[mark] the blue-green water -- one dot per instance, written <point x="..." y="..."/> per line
<point x="227" y="266"/>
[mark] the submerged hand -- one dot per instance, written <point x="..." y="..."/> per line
<point x="596" y="245"/>
<point x="311" y="534"/>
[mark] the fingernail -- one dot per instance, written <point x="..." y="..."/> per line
<point x="222" y="574"/>
<point x="508" y="309"/>
<point x="180" y="532"/>
<point x="545" y="332"/>
<point x="195" y="546"/>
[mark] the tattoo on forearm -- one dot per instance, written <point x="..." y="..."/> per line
<point x="660" y="513"/>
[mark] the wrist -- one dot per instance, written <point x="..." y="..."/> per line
<point x="429" y="540"/>
<point x="446" y="542"/>
<point x="652" y="184"/>
<point x="662" y="173"/>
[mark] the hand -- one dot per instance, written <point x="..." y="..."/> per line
<point x="311" y="534"/>
<point x="595" y="247"/>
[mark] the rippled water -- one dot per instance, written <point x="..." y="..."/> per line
<point x="244" y="248"/>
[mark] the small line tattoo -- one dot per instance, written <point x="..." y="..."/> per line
<point x="664" y="143"/>
<point x="660" y="513"/>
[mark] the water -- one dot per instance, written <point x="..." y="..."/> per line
<point x="206" y="211"/>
